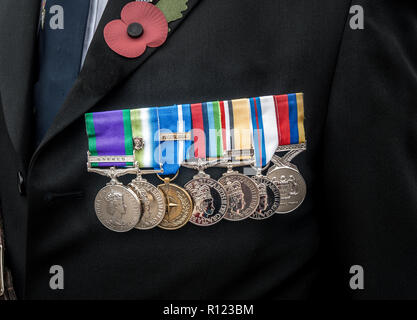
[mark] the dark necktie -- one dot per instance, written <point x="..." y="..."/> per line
<point x="60" y="51"/>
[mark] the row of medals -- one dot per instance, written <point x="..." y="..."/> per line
<point x="203" y="201"/>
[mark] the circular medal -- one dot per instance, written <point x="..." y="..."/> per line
<point x="243" y="195"/>
<point x="210" y="201"/>
<point x="118" y="208"/>
<point x="269" y="198"/>
<point x="153" y="204"/>
<point x="291" y="185"/>
<point x="179" y="206"/>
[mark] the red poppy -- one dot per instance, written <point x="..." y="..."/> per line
<point x="142" y="25"/>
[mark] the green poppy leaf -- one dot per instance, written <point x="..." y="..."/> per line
<point x="172" y="9"/>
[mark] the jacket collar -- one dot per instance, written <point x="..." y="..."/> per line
<point x="103" y="69"/>
<point x="18" y="29"/>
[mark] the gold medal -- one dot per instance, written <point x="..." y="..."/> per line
<point x="179" y="205"/>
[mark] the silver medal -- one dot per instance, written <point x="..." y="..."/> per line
<point x="291" y="185"/>
<point x="210" y="200"/>
<point x="242" y="191"/>
<point x="243" y="195"/>
<point x="118" y="208"/>
<point x="153" y="203"/>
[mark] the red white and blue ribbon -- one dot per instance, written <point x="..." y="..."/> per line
<point x="264" y="124"/>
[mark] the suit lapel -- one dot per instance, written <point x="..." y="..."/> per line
<point x="102" y="71"/>
<point x="18" y="29"/>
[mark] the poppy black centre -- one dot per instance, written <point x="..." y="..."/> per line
<point x="135" y="30"/>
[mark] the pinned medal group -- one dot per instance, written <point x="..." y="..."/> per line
<point x="159" y="140"/>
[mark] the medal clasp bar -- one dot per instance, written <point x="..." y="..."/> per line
<point x="110" y="159"/>
<point x="239" y="153"/>
<point x="291" y="152"/>
<point x="176" y="136"/>
<point x="111" y="172"/>
<point x="290" y="147"/>
<point x="229" y="160"/>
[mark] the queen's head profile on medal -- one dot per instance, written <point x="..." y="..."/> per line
<point x="116" y="206"/>
<point x="210" y="200"/>
<point x="204" y="203"/>
<point x="236" y="196"/>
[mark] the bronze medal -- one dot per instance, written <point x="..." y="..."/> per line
<point x="179" y="206"/>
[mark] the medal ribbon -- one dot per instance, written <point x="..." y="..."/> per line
<point x="145" y="125"/>
<point x="290" y="118"/>
<point x="264" y="122"/>
<point x="218" y="126"/>
<point x="207" y="130"/>
<point x="173" y="120"/>
<point x="110" y="134"/>
<point x="236" y="126"/>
